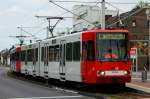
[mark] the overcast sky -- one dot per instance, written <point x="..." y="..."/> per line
<point x="15" y="13"/>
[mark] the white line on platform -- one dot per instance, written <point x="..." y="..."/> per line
<point x="53" y="97"/>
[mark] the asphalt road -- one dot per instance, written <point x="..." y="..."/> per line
<point x="11" y="88"/>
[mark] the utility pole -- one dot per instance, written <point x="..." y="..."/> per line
<point x="103" y="15"/>
<point x="47" y="31"/>
<point x="50" y="26"/>
<point x="21" y="36"/>
<point x="31" y="35"/>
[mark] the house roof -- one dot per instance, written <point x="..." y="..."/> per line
<point x="113" y="20"/>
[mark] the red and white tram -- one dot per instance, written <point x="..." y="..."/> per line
<point x="92" y="57"/>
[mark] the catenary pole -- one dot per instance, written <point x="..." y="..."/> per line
<point x="103" y="15"/>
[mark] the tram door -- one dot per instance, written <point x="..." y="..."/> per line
<point x="35" y="59"/>
<point x="46" y="61"/>
<point x="62" y="60"/>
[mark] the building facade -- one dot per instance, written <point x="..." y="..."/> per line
<point x="4" y="57"/>
<point x="87" y="17"/>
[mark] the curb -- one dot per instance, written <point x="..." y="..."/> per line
<point x="140" y="79"/>
<point x="137" y="87"/>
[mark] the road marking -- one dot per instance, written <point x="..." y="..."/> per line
<point x="53" y="97"/>
<point x="65" y="90"/>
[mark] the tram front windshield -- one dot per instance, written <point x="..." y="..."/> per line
<point x="112" y="46"/>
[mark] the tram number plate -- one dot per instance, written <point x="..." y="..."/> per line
<point x="114" y="73"/>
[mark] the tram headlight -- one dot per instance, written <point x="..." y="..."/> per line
<point x="102" y="73"/>
<point x="125" y="72"/>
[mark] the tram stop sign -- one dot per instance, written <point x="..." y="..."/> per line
<point x="133" y="53"/>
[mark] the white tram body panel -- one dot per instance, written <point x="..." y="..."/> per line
<point x="30" y="61"/>
<point x="53" y="63"/>
<point x="50" y="60"/>
<point x="34" y="62"/>
<point x="43" y="59"/>
<point x="73" y="68"/>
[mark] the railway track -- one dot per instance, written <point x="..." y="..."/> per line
<point x="98" y="92"/>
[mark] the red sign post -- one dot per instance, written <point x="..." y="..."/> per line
<point x="134" y="55"/>
<point x="133" y="52"/>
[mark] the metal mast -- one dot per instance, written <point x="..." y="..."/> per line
<point x="50" y="26"/>
<point x="103" y="15"/>
<point x="20" y="37"/>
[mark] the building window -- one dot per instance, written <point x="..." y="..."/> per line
<point x="148" y="23"/>
<point x="117" y="24"/>
<point x="134" y="23"/>
<point x="107" y="17"/>
<point x="134" y="37"/>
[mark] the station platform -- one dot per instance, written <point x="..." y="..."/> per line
<point x="138" y="84"/>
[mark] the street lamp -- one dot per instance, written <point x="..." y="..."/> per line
<point x="148" y="18"/>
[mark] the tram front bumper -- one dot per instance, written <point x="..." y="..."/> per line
<point x="113" y="79"/>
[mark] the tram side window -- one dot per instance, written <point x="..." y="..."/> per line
<point x="90" y="50"/>
<point x="23" y="56"/>
<point x="17" y="56"/>
<point x="51" y="53"/>
<point x="76" y="51"/>
<point x="29" y="55"/>
<point x="84" y="51"/>
<point x="36" y="54"/>
<point x="69" y="52"/>
<point x="42" y="54"/>
<point x="56" y="53"/>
